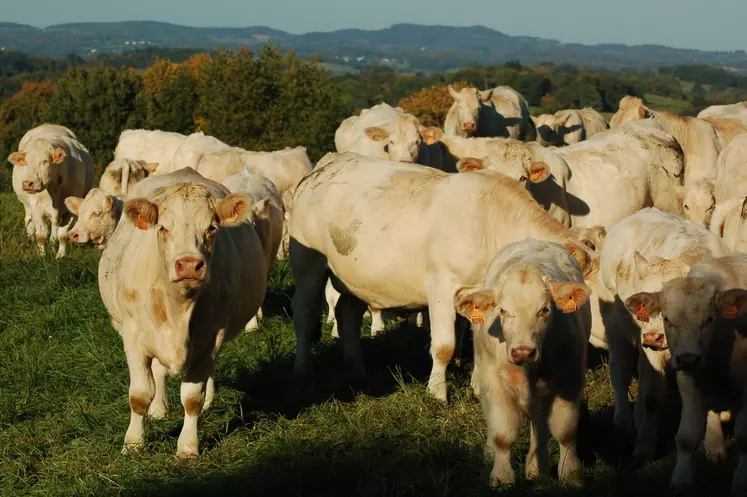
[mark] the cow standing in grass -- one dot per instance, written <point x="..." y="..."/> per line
<point x="531" y="322"/>
<point x="50" y="165"/>
<point x="183" y="273"/>
<point x="403" y="236"/>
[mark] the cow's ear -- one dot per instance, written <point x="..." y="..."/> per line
<point x="569" y="296"/>
<point x="538" y="172"/>
<point x="233" y="209"/>
<point x="431" y="135"/>
<point x="376" y="134"/>
<point x="643" y="305"/>
<point x="142" y="213"/>
<point x="731" y="303"/>
<point x="58" y="155"/>
<point x="73" y="204"/>
<point x="149" y="166"/>
<point x="474" y="305"/>
<point x="17" y="159"/>
<point x="108" y="203"/>
<point x="261" y="209"/>
<point x="468" y="164"/>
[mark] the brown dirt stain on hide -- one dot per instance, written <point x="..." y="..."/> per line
<point x="158" y="303"/>
<point x="344" y="239"/>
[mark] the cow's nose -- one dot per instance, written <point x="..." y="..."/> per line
<point x="523" y="354"/>
<point x="687" y="361"/>
<point x="469" y="126"/>
<point x="655" y="339"/>
<point x="28" y="186"/>
<point x="190" y="268"/>
<point x="74" y="237"/>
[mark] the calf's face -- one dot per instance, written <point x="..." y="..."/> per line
<point x="98" y="215"/>
<point x="519" y="310"/>
<point x="187" y="221"/>
<point x="37" y="162"/>
<point x="690" y="308"/>
<point x="401" y="143"/>
<point x="649" y="275"/>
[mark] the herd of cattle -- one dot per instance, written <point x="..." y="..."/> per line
<point x="547" y="234"/>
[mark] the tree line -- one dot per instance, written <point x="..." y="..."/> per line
<point x="273" y="99"/>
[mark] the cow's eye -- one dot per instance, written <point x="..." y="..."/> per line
<point x="523" y="179"/>
<point x="163" y="230"/>
<point x="545" y="311"/>
<point x="212" y="229"/>
<point x="95" y="214"/>
<point x="687" y="208"/>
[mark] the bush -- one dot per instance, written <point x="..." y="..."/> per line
<point x="21" y="112"/>
<point x="431" y="105"/>
<point x="169" y="97"/>
<point x="269" y="102"/>
<point x="97" y="104"/>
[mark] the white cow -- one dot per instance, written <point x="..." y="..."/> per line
<point x="708" y="352"/>
<point x="501" y="111"/>
<point x="266" y="216"/>
<point x="183" y="273"/>
<point x="569" y="126"/>
<point x="531" y="322"/>
<point x="153" y="147"/>
<point x="731" y="170"/>
<point x="98" y="215"/>
<point x="391" y="234"/>
<point x="381" y="131"/>
<point x="121" y="174"/>
<point x="191" y="151"/>
<point x="729" y="221"/>
<point x="640" y="253"/>
<point x="50" y="165"/>
<point x="736" y="111"/>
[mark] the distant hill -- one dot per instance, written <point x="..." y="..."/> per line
<point x="402" y="46"/>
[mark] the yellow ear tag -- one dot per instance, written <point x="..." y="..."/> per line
<point x="430" y="140"/>
<point x="570" y="306"/>
<point x="642" y="315"/>
<point x="731" y="312"/>
<point x="141" y="223"/>
<point x="477" y="317"/>
<point x="534" y="177"/>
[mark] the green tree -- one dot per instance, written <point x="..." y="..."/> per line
<point x="97" y="104"/>
<point x="169" y="97"/>
<point x="21" y="112"/>
<point x="269" y="102"/>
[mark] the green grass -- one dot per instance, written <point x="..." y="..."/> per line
<point x="64" y="411"/>
<point x="657" y="102"/>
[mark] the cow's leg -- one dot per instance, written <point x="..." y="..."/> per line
<point x="563" y="422"/>
<point x="441" y="307"/>
<point x="142" y="391"/>
<point x="193" y="399"/>
<point x="651" y="396"/>
<point x="538" y="460"/>
<point x="253" y="323"/>
<point x="377" y="321"/>
<point x="332" y="296"/>
<point x="620" y="375"/>
<point x="474" y="381"/>
<point x="40" y="229"/>
<point x="66" y="222"/>
<point x="714" y="445"/>
<point x="309" y="269"/>
<point x="502" y="416"/>
<point x="28" y="222"/>
<point x="209" y="390"/>
<point x="160" y="405"/>
<point x="349" y="311"/>
<point x="739" y="481"/>
<point x="690" y="433"/>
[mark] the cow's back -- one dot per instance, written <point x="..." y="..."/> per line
<point x="149" y="146"/>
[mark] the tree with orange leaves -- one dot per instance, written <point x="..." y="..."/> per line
<point x="430" y="105"/>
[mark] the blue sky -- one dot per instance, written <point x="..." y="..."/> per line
<point x="703" y="24"/>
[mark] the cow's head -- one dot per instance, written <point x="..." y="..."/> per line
<point x="631" y="109"/>
<point x="690" y="308"/>
<point x="698" y="203"/>
<point x="38" y="161"/>
<point x="467" y="103"/>
<point x="98" y="215"/>
<point x="525" y="172"/>
<point x="546" y="130"/>
<point x="188" y="220"/>
<point x="400" y="140"/>
<point x="650" y="275"/>
<point x="520" y="308"/>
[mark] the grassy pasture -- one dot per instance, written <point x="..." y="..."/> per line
<point x="63" y="408"/>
